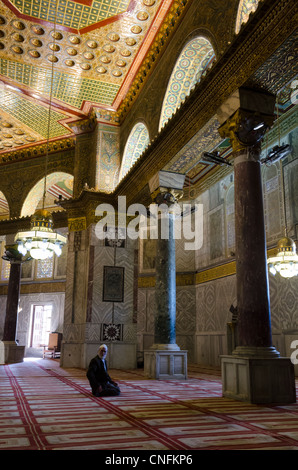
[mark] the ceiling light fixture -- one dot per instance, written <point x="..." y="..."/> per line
<point x="41" y="241"/>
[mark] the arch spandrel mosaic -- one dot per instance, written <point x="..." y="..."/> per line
<point x="58" y="183"/>
<point x="194" y="60"/>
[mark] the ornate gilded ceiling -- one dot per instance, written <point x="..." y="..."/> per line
<point x="83" y="53"/>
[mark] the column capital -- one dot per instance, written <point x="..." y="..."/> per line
<point x="13" y="255"/>
<point x="166" y="187"/>
<point x="245" y="117"/>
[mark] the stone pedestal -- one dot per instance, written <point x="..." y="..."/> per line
<point x="258" y="380"/>
<point x="165" y="364"/>
<point x="11" y="353"/>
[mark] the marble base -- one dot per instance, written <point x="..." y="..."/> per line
<point x="258" y="380"/>
<point x="165" y="364"/>
<point x="120" y="355"/>
<point x="11" y="353"/>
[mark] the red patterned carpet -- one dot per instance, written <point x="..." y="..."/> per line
<point x="45" y="407"/>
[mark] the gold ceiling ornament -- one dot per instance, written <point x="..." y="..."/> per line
<point x="286" y="261"/>
<point x="41" y="242"/>
<point x="37" y="30"/>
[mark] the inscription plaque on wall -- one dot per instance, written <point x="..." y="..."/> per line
<point x="113" y="284"/>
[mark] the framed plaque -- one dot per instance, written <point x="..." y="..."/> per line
<point x="113" y="284"/>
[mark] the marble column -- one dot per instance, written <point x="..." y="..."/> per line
<point x="10" y="352"/>
<point x="165" y="283"/>
<point x="165" y="359"/>
<point x="255" y="372"/>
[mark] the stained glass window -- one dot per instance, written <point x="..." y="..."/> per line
<point x="194" y="60"/>
<point x="136" y="144"/>
<point x="44" y="269"/>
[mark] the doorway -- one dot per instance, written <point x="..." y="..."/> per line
<point x="39" y="329"/>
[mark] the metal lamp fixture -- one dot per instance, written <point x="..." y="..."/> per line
<point x="41" y="241"/>
<point x="286" y="261"/>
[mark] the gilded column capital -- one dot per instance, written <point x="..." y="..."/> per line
<point x="166" y="188"/>
<point x="166" y="196"/>
<point x="245" y="129"/>
<point x="12" y="255"/>
<point x="245" y="116"/>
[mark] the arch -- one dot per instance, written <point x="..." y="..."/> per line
<point x="58" y="183"/>
<point x="4" y="207"/>
<point x="136" y="143"/>
<point x="194" y="60"/>
<point x="245" y="8"/>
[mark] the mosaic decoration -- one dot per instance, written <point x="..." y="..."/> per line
<point x="45" y="268"/>
<point x="89" y="48"/>
<point x="246" y="7"/>
<point x="70" y="13"/>
<point x="112" y="332"/>
<point x="194" y="60"/>
<point x="32" y="115"/>
<point x="136" y="144"/>
<point x="68" y="88"/>
<point x="58" y="183"/>
<point x="103" y="54"/>
<point x="188" y="159"/>
<point x="108" y="161"/>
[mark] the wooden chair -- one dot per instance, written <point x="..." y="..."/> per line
<point x="53" y="349"/>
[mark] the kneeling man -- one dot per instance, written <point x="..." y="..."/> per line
<point x="101" y="383"/>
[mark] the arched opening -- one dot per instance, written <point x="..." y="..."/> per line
<point x="245" y="8"/>
<point x="194" y="60"/>
<point x="135" y="146"/>
<point x="57" y="184"/>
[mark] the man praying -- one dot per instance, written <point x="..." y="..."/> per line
<point x="101" y="383"/>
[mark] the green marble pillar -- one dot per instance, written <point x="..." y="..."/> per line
<point x="165" y="287"/>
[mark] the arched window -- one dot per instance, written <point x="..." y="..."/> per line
<point x="245" y="8"/>
<point x="136" y="144"/>
<point x="58" y="183"/>
<point x="194" y="60"/>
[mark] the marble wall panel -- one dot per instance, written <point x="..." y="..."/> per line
<point x="185" y="310"/>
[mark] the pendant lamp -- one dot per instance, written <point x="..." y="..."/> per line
<point x="41" y="242"/>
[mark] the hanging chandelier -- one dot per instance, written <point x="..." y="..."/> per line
<point x="286" y="260"/>
<point x="41" y="242"/>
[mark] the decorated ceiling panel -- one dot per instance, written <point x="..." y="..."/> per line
<point x="73" y="55"/>
<point x="71" y="13"/>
